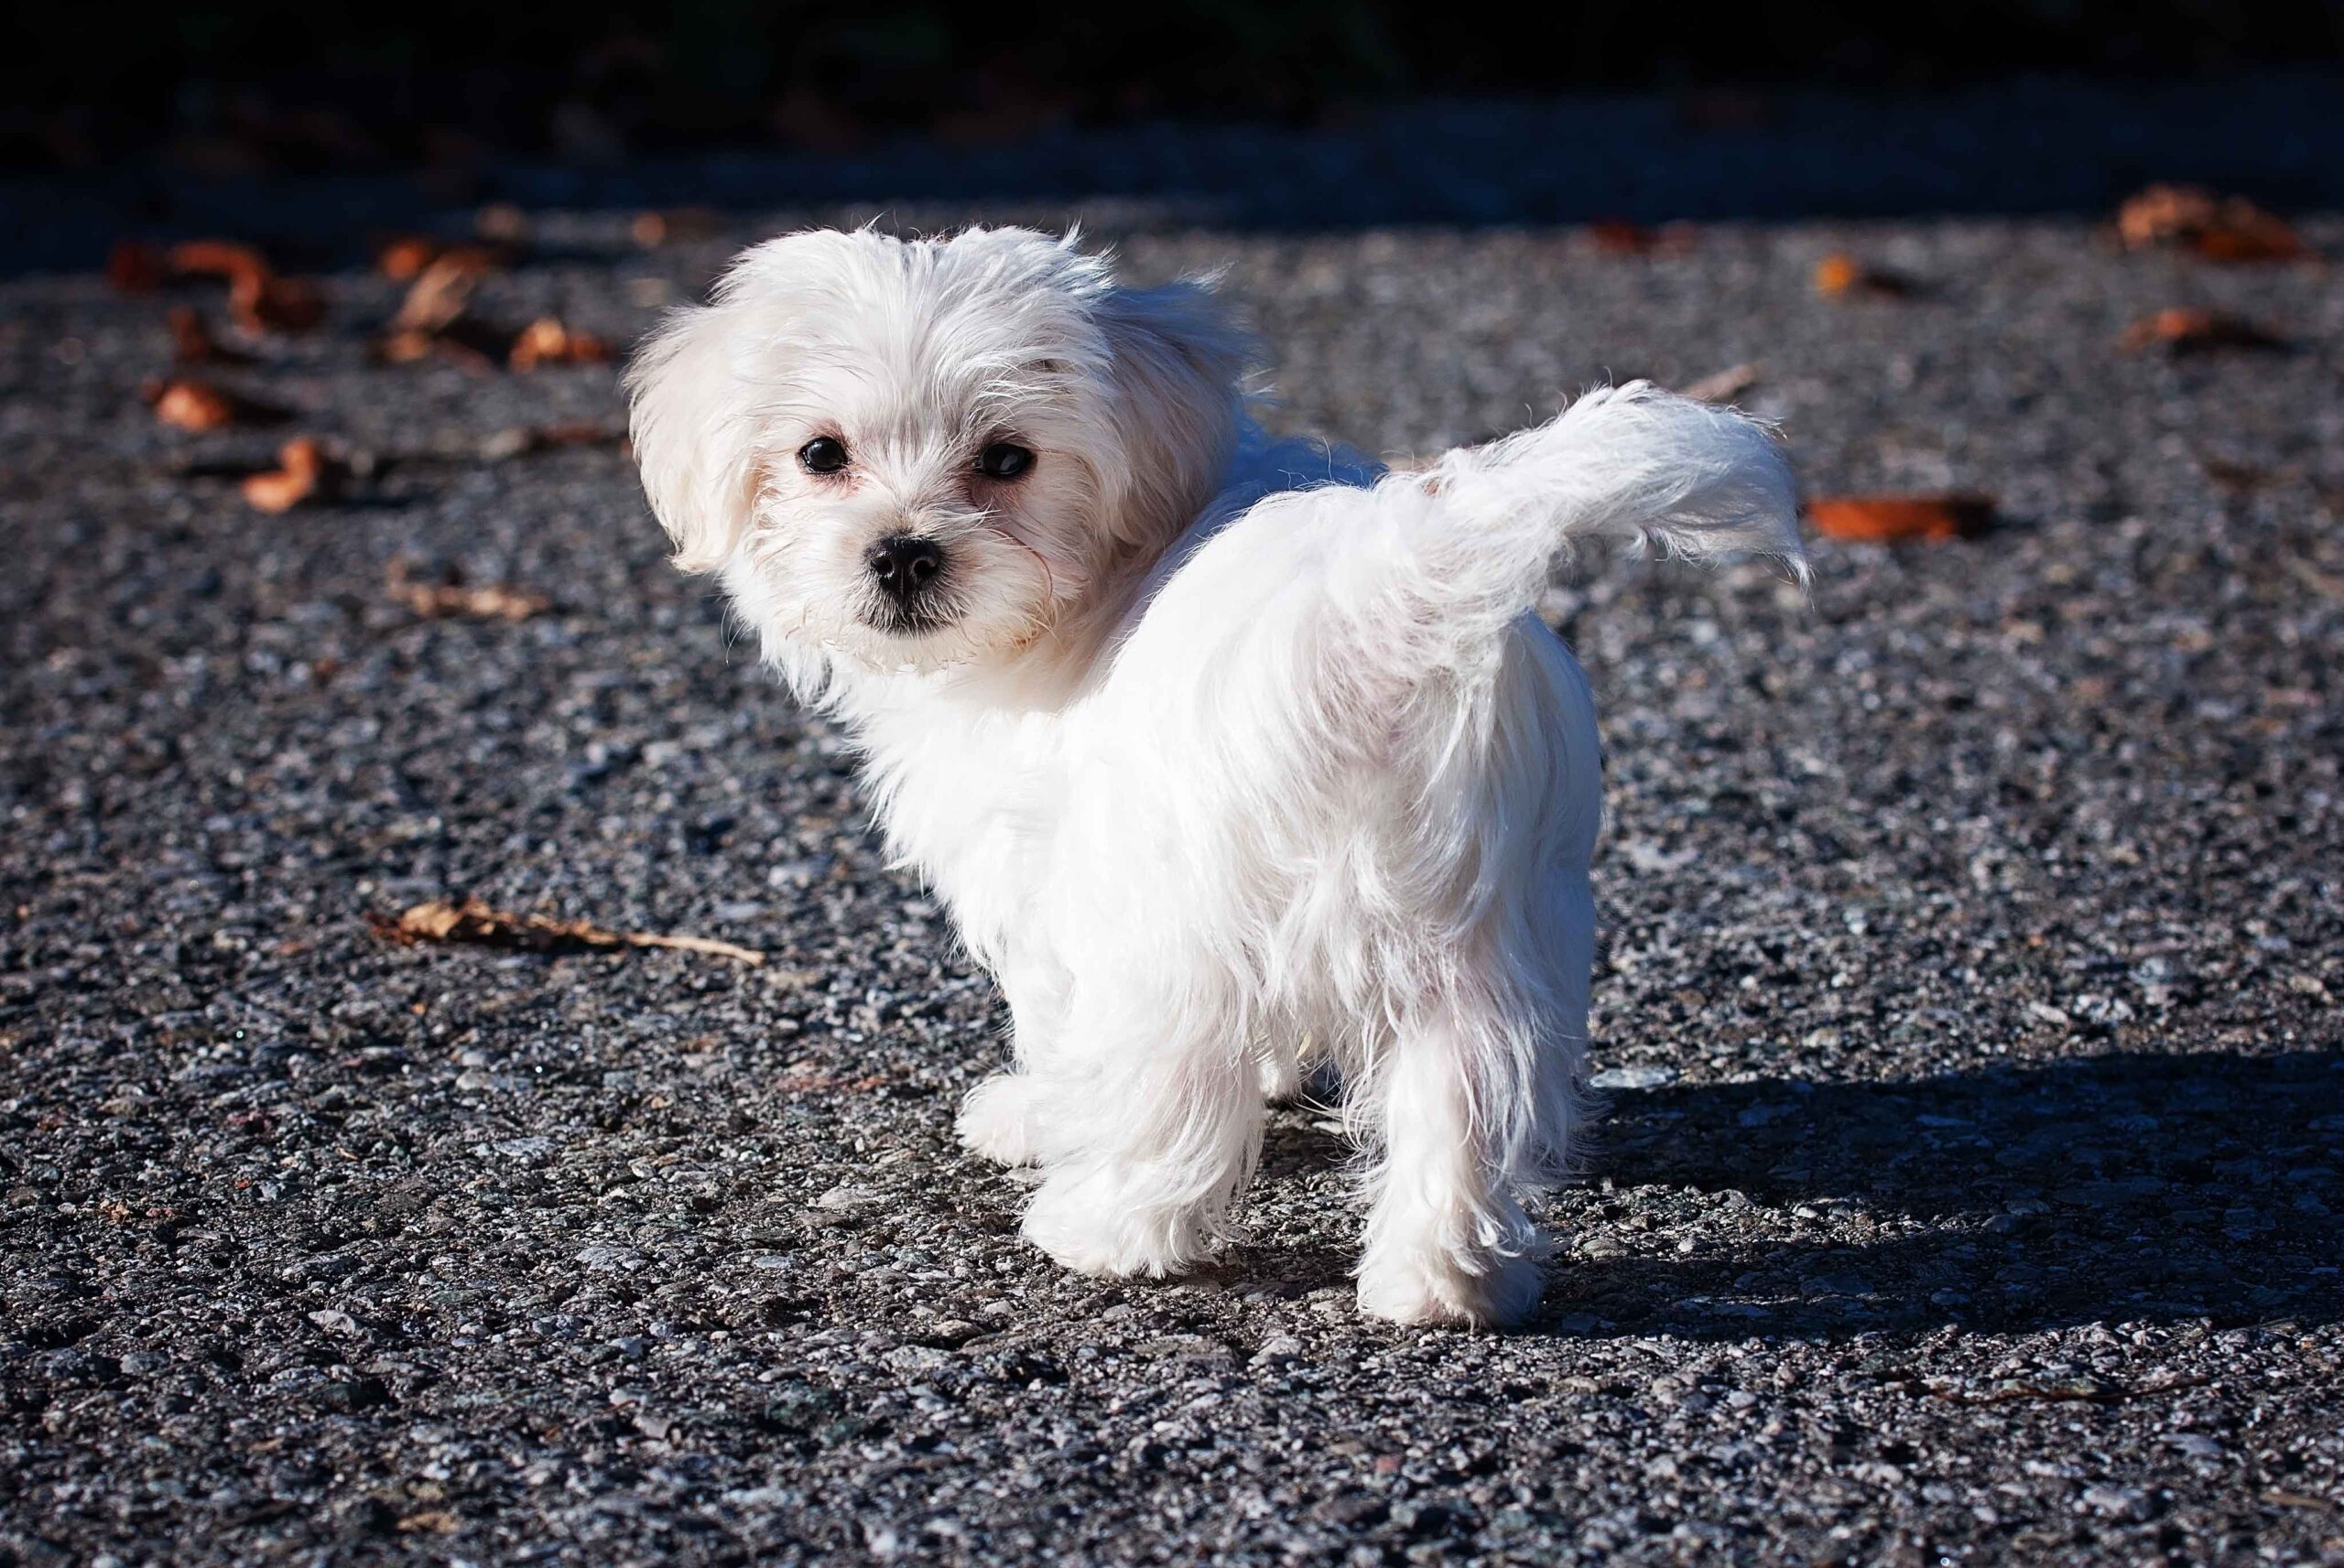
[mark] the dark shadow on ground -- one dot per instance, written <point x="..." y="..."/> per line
<point x="2111" y="1189"/>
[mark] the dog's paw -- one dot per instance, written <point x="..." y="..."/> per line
<point x="1427" y="1286"/>
<point x="1092" y="1220"/>
<point x="997" y="1119"/>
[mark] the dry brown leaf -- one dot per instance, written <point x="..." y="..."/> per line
<point x="547" y="342"/>
<point x="1840" y="274"/>
<point x="195" y="407"/>
<point x="474" y="922"/>
<point x="403" y="259"/>
<point x="542" y="341"/>
<point x="190" y="404"/>
<point x="1884" y="519"/>
<point x="304" y="471"/>
<point x="2188" y="330"/>
<point x="474" y="344"/>
<point x="225" y="259"/>
<point x="134" y="266"/>
<point x="262" y="300"/>
<point x="268" y="302"/>
<point x="2219" y="228"/>
<point x="277" y="491"/>
<point x="1725" y="385"/>
<point x="438" y="295"/>
<point x="431" y="319"/>
<point x="404" y="346"/>
<point x="2250" y="236"/>
<point x="446" y="600"/>
<point x="1835" y="274"/>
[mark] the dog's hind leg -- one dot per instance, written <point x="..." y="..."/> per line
<point x="1447" y="1237"/>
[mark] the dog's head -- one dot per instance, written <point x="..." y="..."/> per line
<point x="918" y="453"/>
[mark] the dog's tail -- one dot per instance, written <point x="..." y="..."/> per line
<point x="1455" y="552"/>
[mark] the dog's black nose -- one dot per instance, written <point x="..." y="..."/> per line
<point x="902" y="566"/>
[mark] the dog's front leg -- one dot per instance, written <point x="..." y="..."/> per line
<point x="1002" y="1117"/>
<point x="1148" y="1140"/>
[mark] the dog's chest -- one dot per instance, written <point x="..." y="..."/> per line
<point x="973" y="802"/>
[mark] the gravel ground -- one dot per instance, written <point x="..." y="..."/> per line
<point x="1969" y="1187"/>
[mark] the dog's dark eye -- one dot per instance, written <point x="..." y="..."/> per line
<point x="823" y="454"/>
<point x="1004" y="459"/>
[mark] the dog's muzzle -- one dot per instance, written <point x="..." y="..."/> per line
<point x="908" y="573"/>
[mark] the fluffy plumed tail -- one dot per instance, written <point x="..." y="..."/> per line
<point x="1467" y="543"/>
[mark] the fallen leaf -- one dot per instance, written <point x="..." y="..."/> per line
<point x="547" y="342"/>
<point x="195" y="407"/>
<point x="304" y="471"/>
<point x="1725" y="385"/>
<point x="225" y="259"/>
<point x="134" y="266"/>
<point x="467" y="341"/>
<point x="431" y="318"/>
<point x="1882" y="519"/>
<point x="190" y="404"/>
<point x="2219" y="228"/>
<point x="440" y="293"/>
<point x="268" y="302"/>
<point x="2186" y="330"/>
<point x="403" y="259"/>
<point x="443" y="601"/>
<point x="1840" y="274"/>
<point x="473" y="921"/>
<point x="262" y="300"/>
<point x="193" y="344"/>
<point x="404" y="346"/>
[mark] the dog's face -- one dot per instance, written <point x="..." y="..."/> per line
<point x="911" y="454"/>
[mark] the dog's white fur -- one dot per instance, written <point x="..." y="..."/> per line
<point x="1230" y="757"/>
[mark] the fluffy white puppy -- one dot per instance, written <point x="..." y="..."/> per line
<point x="1229" y="757"/>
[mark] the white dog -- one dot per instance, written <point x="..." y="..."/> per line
<point x="1229" y="757"/>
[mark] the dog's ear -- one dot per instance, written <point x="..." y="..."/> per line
<point x="1180" y="357"/>
<point x="693" y="442"/>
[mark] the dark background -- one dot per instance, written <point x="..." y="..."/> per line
<point x="261" y="88"/>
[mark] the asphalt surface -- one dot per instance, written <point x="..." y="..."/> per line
<point x="1969" y="1187"/>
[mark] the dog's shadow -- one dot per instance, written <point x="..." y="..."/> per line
<point x="2134" y="1187"/>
